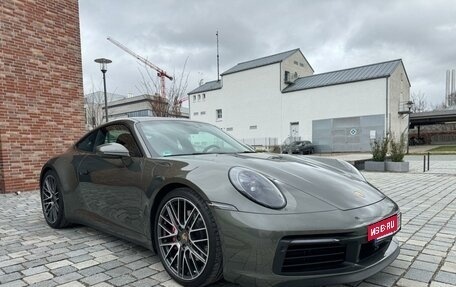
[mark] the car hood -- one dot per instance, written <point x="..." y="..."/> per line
<point x="322" y="178"/>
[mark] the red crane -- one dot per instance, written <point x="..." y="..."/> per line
<point x="160" y="72"/>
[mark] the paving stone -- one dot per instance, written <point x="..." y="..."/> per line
<point x="85" y="264"/>
<point x="419" y="275"/>
<point x="122" y="280"/>
<point x="96" y="278"/>
<point x="403" y="282"/>
<point x="161" y="276"/>
<point x="446" y="277"/>
<point x="137" y="264"/>
<point x="58" y="264"/>
<point x="144" y="272"/>
<point x="38" y="277"/>
<point x="34" y="270"/>
<point x="429" y="258"/>
<point x="72" y="284"/>
<point x="111" y="264"/>
<point x="13" y="268"/>
<point x="63" y="270"/>
<point x="170" y="283"/>
<point x="91" y="270"/>
<point x="449" y="267"/>
<point x="440" y="284"/>
<point x="145" y="282"/>
<point x="73" y="276"/>
<point x="383" y="279"/>
<point x="16" y="283"/>
<point x="119" y="271"/>
<point x="425" y="266"/>
<point x="9" y="277"/>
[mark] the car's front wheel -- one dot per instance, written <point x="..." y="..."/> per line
<point x="52" y="201"/>
<point x="187" y="239"/>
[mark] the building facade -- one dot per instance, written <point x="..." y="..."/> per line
<point x="142" y="106"/>
<point x="278" y="98"/>
<point x="41" y="98"/>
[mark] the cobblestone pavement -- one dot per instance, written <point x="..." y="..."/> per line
<point x="31" y="253"/>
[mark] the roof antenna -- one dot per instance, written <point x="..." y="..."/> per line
<point x="218" y="58"/>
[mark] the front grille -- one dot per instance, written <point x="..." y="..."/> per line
<point x="305" y="257"/>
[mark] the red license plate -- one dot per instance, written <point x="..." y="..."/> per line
<point x="383" y="228"/>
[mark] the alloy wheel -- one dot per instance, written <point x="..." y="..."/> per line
<point x="183" y="238"/>
<point x="50" y="197"/>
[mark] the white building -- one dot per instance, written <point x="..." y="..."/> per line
<point x="275" y="98"/>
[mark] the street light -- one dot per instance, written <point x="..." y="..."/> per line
<point x="409" y="106"/>
<point x="104" y="68"/>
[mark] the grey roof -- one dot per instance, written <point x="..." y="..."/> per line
<point x="208" y="86"/>
<point x="276" y="58"/>
<point x="368" y="72"/>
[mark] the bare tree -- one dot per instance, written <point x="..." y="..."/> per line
<point x="175" y="93"/>
<point x="420" y="103"/>
<point x="439" y="107"/>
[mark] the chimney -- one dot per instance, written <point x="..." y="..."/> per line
<point x="447" y="85"/>
<point x="453" y="80"/>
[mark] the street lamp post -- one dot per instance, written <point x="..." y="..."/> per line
<point x="104" y="68"/>
<point x="409" y="106"/>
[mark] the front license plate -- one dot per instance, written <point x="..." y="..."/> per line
<point x="383" y="228"/>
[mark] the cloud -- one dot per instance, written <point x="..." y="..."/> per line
<point x="331" y="34"/>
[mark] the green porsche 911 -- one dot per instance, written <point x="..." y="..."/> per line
<point x="212" y="208"/>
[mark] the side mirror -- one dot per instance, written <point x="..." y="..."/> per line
<point x="112" y="150"/>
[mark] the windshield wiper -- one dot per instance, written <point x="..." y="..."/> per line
<point x="195" y="153"/>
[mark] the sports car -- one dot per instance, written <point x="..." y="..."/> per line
<point x="212" y="208"/>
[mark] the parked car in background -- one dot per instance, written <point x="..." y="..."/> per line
<point x="301" y="147"/>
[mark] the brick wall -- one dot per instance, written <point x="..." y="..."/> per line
<point x="41" y="98"/>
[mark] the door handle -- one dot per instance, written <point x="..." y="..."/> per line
<point x="84" y="172"/>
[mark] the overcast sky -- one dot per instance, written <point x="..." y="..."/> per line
<point x="331" y="34"/>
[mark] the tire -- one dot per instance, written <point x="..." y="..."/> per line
<point x="192" y="255"/>
<point x="52" y="201"/>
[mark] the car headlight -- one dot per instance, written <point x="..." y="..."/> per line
<point x="257" y="187"/>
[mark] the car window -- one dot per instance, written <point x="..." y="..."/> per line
<point x="87" y="143"/>
<point x="170" y="138"/>
<point x="119" y="134"/>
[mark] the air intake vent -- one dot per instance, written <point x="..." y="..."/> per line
<point x="304" y="257"/>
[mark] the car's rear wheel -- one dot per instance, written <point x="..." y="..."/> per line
<point x="187" y="239"/>
<point x="52" y="201"/>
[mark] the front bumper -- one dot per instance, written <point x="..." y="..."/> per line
<point x="253" y="245"/>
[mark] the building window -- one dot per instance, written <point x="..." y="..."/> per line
<point x="218" y="114"/>
<point x="229" y="129"/>
<point x="194" y="98"/>
<point x="301" y="64"/>
<point x="195" y="113"/>
<point x="253" y="127"/>
<point x="141" y="113"/>
<point x="296" y="63"/>
<point x="199" y="98"/>
<point x="204" y="97"/>
<point x="202" y="113"/>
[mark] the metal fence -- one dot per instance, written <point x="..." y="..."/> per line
<point x="265" y="143"/>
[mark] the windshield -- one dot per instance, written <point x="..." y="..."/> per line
<point x="172" y="138"/>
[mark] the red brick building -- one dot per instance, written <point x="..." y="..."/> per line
<point x="41" y="97"/>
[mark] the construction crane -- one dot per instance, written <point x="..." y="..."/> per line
<point x="160" y="72"/>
